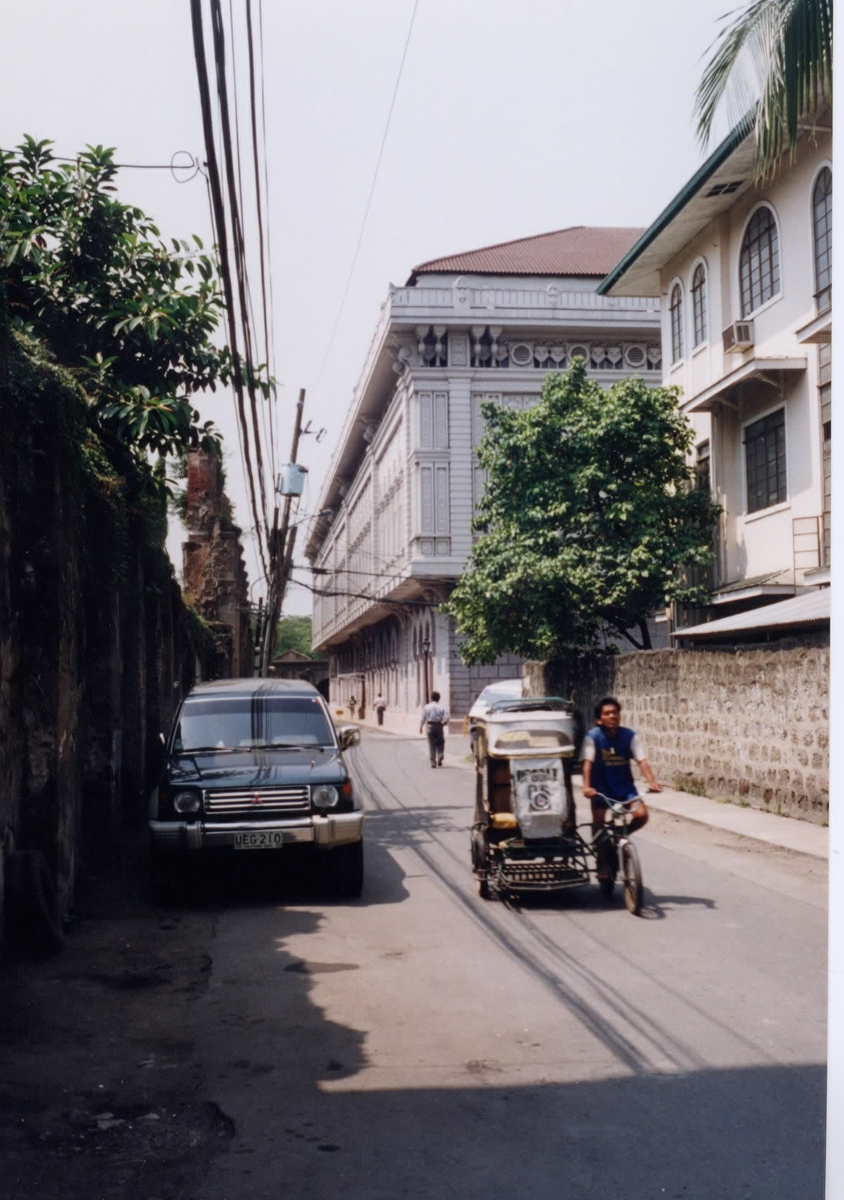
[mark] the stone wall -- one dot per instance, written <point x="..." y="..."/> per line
<point x="751" y="726"/>
<point x="96" y="645"/>
<point x="747" y="725"/>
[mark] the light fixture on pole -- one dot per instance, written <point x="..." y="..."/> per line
<point x="426" y="654"/>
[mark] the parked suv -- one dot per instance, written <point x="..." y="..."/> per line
<point x="257" y="764"/>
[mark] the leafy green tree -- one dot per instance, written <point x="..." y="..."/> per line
<point x="295" y="633"/>
<point x="589" y="522"/>
<point x="772" y="67"/>
<point x="91" y="278"/>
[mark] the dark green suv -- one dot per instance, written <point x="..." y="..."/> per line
<point x="257" y="764"/>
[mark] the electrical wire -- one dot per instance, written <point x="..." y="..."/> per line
<point x="194" y="163"/>
<point x="223" y="241"/>
<point x="369" y="198"/>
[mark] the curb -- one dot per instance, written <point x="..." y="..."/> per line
<point x="769" y="829"/>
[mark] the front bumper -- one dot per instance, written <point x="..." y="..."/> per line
<point x="336" y="829"/>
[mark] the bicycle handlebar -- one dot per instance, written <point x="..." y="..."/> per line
<point x="617" y="806"/>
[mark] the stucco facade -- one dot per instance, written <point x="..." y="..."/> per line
<point x="394" y="530"/>
<point x="759" y="407"/>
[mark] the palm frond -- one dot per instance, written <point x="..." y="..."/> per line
<point x="773" y="62"/>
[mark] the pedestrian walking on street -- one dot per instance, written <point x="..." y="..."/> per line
<point x="434" y="721"/>
<point x="607" y="751"/>
<point x="379" y="704"/>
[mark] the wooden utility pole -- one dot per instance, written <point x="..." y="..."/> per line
<point x="281" y="552"/>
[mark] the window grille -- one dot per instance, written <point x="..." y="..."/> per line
<point x="822" y="228"/>
<point x="764" y="450"/>
<point x="676" y="310"/>
<point x="759" y="265"/>
<point x="699" y="304"/>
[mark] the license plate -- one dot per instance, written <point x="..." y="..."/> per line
<point x="259" y="839"/>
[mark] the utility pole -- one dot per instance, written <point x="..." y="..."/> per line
<point x="281" y="553"/>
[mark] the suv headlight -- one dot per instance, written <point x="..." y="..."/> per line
<point x="325" y="796"/>
<point x="186" y="802"/>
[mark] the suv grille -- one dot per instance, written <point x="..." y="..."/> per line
<point x="259" y="802"/>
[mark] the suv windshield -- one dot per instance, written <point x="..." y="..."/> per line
<point x="232" y="722"/>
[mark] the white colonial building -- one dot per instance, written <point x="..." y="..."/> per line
<point x="394" y="530"/>
<point x="743" y="273"/>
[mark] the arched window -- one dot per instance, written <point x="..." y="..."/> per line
<point x="822" y="229"/>
<point x="759" y="265"/>
<point x="699" y="304"/>
<point x="676" y="311"/>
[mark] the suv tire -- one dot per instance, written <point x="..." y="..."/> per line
<point x="347" y="871"/>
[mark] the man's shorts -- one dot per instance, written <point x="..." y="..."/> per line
<point x="600" y="802"/>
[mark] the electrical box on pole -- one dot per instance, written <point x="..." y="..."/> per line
<point x="291" y="480"/>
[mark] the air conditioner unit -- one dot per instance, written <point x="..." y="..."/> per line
<point x="738" y="336"/>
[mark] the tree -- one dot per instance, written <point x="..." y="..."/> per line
<point x="772" y="67"/>
<point x="91" y="278"/>
<point x="295" y="633"/>
<point x="589" y="522"/>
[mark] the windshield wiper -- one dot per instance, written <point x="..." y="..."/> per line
<point x="279" y="746"/>
<point x="210" y="750"/>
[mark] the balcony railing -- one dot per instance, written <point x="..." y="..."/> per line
<point x="547" y="299"/>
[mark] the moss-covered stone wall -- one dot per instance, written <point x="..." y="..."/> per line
<point x="96" y="645"/>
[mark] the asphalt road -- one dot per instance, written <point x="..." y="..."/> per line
<point x="424" y="1043"/>
<point x="263" y="1042"/>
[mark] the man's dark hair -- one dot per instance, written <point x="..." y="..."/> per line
<point x="435" y="696"/>
<point x="602" y="704"/>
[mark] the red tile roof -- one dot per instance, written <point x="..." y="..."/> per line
<point x="580" y="250"/>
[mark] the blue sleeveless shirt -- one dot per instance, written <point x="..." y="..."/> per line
<point x="611" y="774"/>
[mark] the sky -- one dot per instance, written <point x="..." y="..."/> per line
<point x="511" y="119"/>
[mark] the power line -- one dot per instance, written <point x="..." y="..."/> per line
<point x="221" y="230"/>
<point x="369" y="198"/>
<point x="194" y="164"/>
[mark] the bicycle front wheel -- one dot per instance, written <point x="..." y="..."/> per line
<point x="631" y="872"/>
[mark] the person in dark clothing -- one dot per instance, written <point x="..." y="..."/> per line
<point x="607" y="752"/>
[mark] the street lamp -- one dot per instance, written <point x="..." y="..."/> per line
<point x="426" y="653"/>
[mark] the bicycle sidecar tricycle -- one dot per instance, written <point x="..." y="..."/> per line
<point x="525" y="836"/>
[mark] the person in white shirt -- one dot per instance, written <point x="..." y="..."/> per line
<point x="434" y="721"/>
<point x="379" y="704"/>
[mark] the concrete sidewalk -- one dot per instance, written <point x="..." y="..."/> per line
<point x="801" y="837"/>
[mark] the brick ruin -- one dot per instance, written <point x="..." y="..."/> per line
<point x="215" y="579"/>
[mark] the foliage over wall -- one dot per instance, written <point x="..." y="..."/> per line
<point x="91" y="278"/>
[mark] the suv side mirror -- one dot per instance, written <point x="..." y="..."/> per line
<point x="349" y="735"/>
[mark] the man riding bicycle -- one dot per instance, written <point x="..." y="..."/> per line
<point x="607" y="752"/>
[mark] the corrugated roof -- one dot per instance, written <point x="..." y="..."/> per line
<point x="808" y="609"/>
<point x="579" y="250"/>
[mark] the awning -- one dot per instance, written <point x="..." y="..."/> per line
<point x="771" y="371"/>
<point x="812" y="608"/>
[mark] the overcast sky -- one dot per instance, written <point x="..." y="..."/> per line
<point x="511" y="119"/>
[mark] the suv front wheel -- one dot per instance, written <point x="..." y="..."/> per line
<point x="346" y="870"/>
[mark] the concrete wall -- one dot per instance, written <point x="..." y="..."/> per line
<point x="750" y="726"/>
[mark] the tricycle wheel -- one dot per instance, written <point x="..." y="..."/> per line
<point x="632" y="875"/>
<point x="607" y="886"/>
